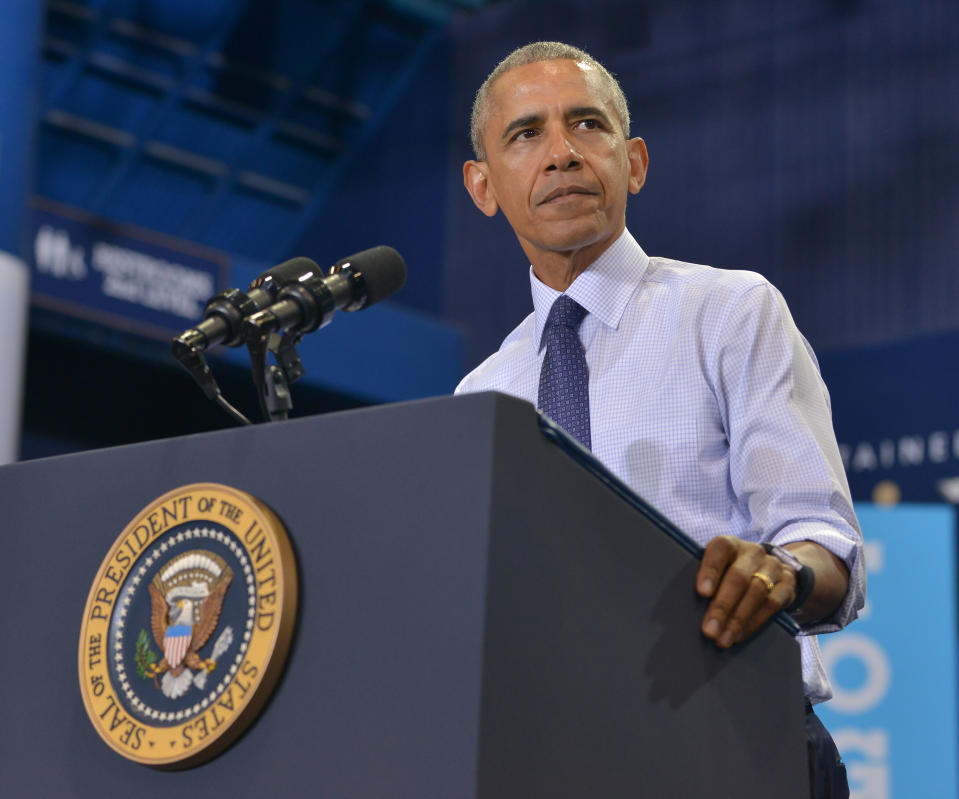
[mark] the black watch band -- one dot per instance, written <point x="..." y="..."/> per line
<point x="805" y="576"/>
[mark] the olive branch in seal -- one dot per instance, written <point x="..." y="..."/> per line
<point x="145" y="656"/>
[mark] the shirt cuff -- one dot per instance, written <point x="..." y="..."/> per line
<point x="850" y="551"/>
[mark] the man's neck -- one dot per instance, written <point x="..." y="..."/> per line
<point x="558" y="270"/>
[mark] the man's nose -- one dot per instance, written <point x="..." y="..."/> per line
<point x="561" y="154"/>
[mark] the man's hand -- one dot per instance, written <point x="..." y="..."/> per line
<point x="746" y="585"/>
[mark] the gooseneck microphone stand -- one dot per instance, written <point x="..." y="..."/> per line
<point x="281" y="305"/>
<point x="191" y="358"/>
<point x="272" y="380"/>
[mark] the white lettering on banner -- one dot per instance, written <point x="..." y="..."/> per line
<point x="876" y="664"/>
<point x="864" y="458"/>
<point x="937" y="446"/>
<point x="152" y="282"/>
<point x="55" y="254"/>
<point x="911" y="449"/>
<point x="128" y="275"/>
<point x="868" y="780"/>
<point x="866" y="752"/>
<point x="949" y="488"/>
<point x="871" y="781"/>
<point x="875" y="556"/>
<point x="887" y="454"/>
<point x="873" y="744"/>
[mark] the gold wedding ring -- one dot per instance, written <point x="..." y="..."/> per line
<point x="764" y="579"/>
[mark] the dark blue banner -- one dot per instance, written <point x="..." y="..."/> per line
<point x="119" y="275"/>
<point x="896" y="413"/>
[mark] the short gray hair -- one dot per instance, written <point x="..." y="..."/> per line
<point x="530" y="54"/>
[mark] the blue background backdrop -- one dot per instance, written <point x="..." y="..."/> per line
<point x="811" y="142"/>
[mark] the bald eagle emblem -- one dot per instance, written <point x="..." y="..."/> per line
<point x="186" y="598"/>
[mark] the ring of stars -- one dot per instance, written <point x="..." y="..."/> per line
<point x="137" y="575"/>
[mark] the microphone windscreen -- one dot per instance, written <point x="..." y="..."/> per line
<point x="383" y="270"/>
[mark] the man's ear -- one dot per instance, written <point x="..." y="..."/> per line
<point x="638" y="164"/>
<point x="476" y="180"/>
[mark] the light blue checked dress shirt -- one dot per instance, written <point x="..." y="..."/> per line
<point x="707" y="401"/>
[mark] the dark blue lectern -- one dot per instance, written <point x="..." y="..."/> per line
<point x="480" y="615"/>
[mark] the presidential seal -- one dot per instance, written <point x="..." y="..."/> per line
<point x="187" y="625"/>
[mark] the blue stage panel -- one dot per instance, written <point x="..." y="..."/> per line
<point x="894" y="710"/>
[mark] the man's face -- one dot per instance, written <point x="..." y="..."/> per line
<point x="557" y="163"/>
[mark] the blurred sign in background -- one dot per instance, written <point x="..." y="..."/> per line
<point x="893" y="712"/>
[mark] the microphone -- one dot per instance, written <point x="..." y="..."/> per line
<point x="308" y="302"/>
<point x="225" y="312"/>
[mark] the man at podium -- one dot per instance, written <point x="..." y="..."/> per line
<point x="692" y="384"/>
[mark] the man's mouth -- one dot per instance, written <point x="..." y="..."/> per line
<point x="565" y="191"/>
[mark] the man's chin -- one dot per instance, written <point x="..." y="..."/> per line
<point x="570" y="237"/>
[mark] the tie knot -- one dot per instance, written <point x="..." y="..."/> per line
<point x="566" y="312"/>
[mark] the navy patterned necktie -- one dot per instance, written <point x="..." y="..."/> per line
<point x="564" y="380"/>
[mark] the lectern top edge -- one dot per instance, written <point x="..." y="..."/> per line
<point x="591" y="463"/>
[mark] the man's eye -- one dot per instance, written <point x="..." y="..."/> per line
<point x="529" y="133"/>
<point x="589" y="124"/>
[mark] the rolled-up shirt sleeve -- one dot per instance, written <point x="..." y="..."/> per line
<point x="785" y="466"/>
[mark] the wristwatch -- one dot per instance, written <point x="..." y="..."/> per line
<point x="805" y="576"/>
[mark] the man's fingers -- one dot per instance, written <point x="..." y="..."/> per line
<point x="781" y="596"/>
<point x="749" y="592"/>
<point x="758" y="604"/>
<point x="720" y="552"/>
<point x="732" y="589"/>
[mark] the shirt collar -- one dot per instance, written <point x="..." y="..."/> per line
<point x="603" y="289"/>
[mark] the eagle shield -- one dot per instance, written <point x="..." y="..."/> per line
<point x="187" y="597"/>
